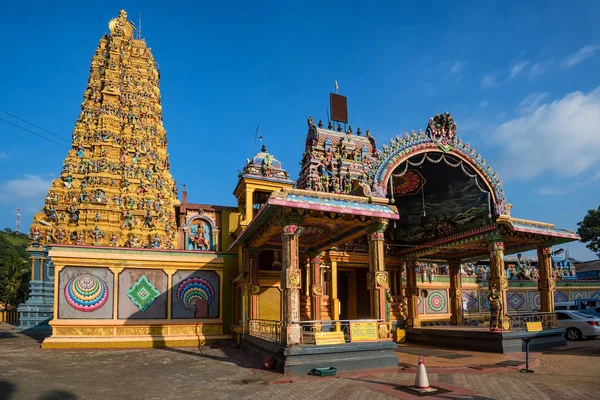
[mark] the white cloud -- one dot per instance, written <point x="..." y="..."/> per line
<point x="518" y="68"/>
<point x="581" y="55"/>
<point x="550" y="191"/>
<point x="561" y="137"/>
<point x="457" y="67"/>
<point x="531" y="102"/>
<point x="489" y="81"/>
<point x="539" y="69"/>
<point x="27" y="193"/>
<point x="3" y="155"/>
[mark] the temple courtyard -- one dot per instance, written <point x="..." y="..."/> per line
<point x="221" y="372"/>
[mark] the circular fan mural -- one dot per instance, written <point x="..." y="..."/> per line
<point x="192" y="289"/>
<point x="86" y="293"/>
<point x="537" y="302"/>
<point x="409" y="183"/>
<point x="436" y="302"/>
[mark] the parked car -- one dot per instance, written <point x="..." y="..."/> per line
<point x="578" y="324"/>
<point x="586" y="306"/>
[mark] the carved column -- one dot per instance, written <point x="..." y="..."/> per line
<point x="333" y="296"/>
<point x="116" y="271"/>
<point x="412" y="296"/>
<point x="378" y="277"/>
<point x="456" y="317"/>
<point x="252" y="267"/>
<point x="546" y="282"/>
<point x="498" y="279"/>
<point x="170" y="273"/>
<point x="316" y="287"/>
<point x="290" y="283"/>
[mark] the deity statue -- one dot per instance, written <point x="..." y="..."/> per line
<point x="156" y="242"/>
<point x="388" y="305"/>
<point x="97" y="234"/>
<point x="148" y="220"/>
<point x="51" y="213"/>
<point x="113" y="239"/>
<point x="73" y="215"/>
<point x="127" y="220"/>
<point x="199" y="240"/>
<point x="495" y="300"/>
<point x="35" y="235"/>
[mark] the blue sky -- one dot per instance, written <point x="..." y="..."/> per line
<point x="520" y="80"/>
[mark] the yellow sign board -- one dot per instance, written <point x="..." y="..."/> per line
<point x="325" y="338"/>
<point x="363" y="332"/>
<point x="534" y="326"/>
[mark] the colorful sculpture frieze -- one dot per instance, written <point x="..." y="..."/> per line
<point x="335" y="161"/>
<point x="264" y="166"/>
<point x="115" y="187"/>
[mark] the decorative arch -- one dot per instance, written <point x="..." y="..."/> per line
<point x="201" y="233"/>
<point x="401" y="149"/>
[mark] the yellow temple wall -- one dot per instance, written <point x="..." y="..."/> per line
<point x="96" y="291"/>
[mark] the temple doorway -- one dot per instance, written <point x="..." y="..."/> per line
<point x="353" y="293"/>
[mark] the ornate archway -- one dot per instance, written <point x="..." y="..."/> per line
<point x="440" y="137"/>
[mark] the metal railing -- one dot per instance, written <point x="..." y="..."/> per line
<point x="265" y="329"/>
<point x="519" y="321"/>
<point x="309" y="328"/>
<point x="480" y="319"/>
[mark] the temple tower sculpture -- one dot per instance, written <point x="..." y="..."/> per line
<point x="115" y="188"/>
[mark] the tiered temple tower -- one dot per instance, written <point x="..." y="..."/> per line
<point x="115" y="188"/>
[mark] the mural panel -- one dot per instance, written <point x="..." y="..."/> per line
<point x="142" y="294"/>
<point x="437" y="302"/>
<point x="85" y="293"/>
<point x="437" y="199"/>
<point x="517" y="301"/>
<point x="534" y="301"/>
<point x="470" y="301"/>
<point x="196" y="294"/>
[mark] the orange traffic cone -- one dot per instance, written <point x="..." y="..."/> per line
<point x="421" y="380"/>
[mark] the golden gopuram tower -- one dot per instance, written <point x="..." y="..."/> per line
<point x="115" y="188"/>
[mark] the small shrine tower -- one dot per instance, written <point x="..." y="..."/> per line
<point x="261" y="176"/>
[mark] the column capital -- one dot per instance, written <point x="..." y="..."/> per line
<point x="377" y="227"/>
<point x="116" y="270"/>
<point x="496" y="245"/>
<point x="454" y="264"/>
<point x="252" y="252"/>
<point x="545" y="250"/>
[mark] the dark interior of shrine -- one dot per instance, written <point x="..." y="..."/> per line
<point x="437" y="195"/>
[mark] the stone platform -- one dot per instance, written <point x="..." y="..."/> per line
<point x="301" y="359"/>
<point x="481" y="339"/>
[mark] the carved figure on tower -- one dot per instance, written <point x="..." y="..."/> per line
<point x="118" y="160"/>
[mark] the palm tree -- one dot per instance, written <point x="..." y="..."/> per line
<point x="14" y="277"/>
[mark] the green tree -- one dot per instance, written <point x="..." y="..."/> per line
<point x="589" y="230"/>
<point x="14" y="277"/>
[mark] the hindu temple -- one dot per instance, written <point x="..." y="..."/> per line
<point x="366" y="240"/>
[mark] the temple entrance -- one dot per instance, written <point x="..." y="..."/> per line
<point x="353" y="294"/>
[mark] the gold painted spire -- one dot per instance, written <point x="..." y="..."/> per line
<point x="115" y="188"/>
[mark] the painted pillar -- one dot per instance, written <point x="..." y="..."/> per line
<point x="378" y="280"/>
<point x="333" y="295"/>
<point x="290" y="282"/>
<point x="170" y="273"/>
<point x="499" y="281"/>
<point x="456" y="317"/>
<point x="115" y="271"/>
<point x="249" y="205"/>
<point x="412" y="296"/>
<point x="316" y="287"/>
<point x="546" y="282"/>
<point x="251" y="256"/>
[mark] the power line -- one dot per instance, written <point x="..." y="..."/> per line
<point x="36" y="134"/>
<point x="34" y="125"/>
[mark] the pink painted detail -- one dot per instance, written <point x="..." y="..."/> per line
<point x="290" y="229"/>
<point x="320" y="207"/>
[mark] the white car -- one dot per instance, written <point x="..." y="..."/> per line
<point x="578" y="324"/>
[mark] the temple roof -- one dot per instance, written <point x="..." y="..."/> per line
<point x="265" y="166"/>
<point x="327" y="219"/>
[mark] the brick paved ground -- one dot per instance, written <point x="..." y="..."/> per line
<point x="26" y="372"/>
